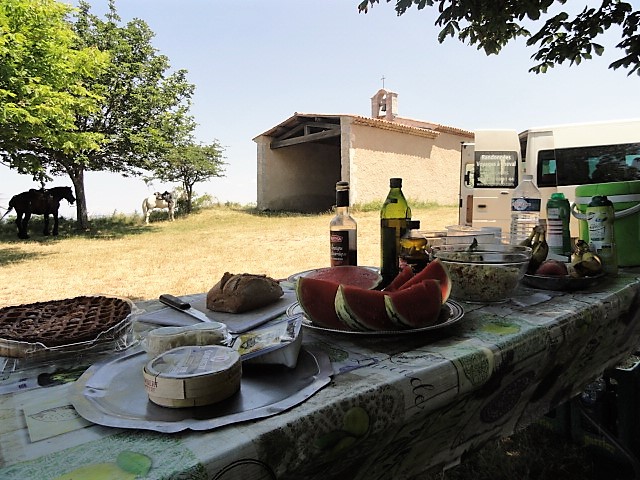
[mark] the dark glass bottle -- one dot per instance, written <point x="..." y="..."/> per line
<point x="343" y="230"/>
<point x="394" y="215"/>
<point x="413" y="247"/>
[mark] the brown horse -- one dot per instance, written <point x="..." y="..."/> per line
<point x="39" y="202"/>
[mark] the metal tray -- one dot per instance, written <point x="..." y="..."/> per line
<point x="112" y="393"/>
<point x="565" y="283"/>
<point x="451" y="313"/>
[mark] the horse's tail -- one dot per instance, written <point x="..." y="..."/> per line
<point x="145" y="207"/>
<point x="8" y="209"/>
<point x="7" y="212"/>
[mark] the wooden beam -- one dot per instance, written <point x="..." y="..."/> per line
<point x="305" y="138"/>
<point x="306" y="126"/>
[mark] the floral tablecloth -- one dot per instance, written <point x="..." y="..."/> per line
<point x="394" y="408"/>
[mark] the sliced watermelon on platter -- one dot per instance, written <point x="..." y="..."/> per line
<point x="415" y="306"/>
<point x="436" y="271"/>
<point x="317" y="300"/>
<point x="353" y="308"/>
<point x="404" y="276"/>
<point x="362" y="310"/>
<point x="357" y="276"/>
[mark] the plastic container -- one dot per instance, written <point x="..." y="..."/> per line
<point x="558" y="217"/>
<point x="525" y="210"/>
<point x="600" y="217"/>
<point x="625" y="197"/>
<point x="464" y="234"/>
<point x="496" y="231"/>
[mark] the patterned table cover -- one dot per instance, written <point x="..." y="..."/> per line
<point x="395" y="407"/>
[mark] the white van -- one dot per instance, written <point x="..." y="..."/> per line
<point x="559" y="157"/>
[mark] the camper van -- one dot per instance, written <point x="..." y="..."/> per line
<point x="559" y="157"/>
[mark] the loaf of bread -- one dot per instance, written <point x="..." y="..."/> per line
<point x="236" y="293"/>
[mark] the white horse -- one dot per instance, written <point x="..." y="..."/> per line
<point x="158" y="201"/>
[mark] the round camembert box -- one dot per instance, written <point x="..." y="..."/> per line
<point x="193" y="376"/>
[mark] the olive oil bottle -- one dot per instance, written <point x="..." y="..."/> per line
<point x="343" y="230"/>
<point x="394" y="215"/>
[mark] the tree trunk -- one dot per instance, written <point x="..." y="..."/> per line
<point x="77" y="177"/>
<point x="188" y="189"/>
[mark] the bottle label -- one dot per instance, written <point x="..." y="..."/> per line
<point x="525" y="205"/>
<point x="340" y="253"/>
<point x="600" y="221"/>
<point x="553" y="213"/>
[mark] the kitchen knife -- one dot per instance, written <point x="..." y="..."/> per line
<point x="184" y="307"/>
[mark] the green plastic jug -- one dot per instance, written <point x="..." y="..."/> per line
<point x="626" y="201"/>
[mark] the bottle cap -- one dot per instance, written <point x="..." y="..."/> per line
<point x="558" y="195"/>
<point x="341" y="185"/>
<point x="527" y="177"/>
<point x="395" y="182"/>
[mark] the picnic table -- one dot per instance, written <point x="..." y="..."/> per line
<point x="395" y="407"/>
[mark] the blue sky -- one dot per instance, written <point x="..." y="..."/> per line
<point x="257" y="62"/>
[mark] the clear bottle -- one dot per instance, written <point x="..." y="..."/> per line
<point x="413" y="247"/>
<point x="525" y="210"/>
<point x="394" y="215"/>
<point x="558" y="216"/>
<point x="343" y="230"/>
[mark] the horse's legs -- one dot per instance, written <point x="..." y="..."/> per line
<point x="55" y="223"/>
<point x="171" y="213"/>
<point x="23" y="221"/>
<point x="45" y="230"/>
<point x="19" y="224"/>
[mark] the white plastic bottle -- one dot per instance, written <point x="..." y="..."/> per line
<point x="525" y="209"/>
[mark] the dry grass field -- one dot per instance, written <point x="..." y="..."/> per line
<point x="121" y="256"/>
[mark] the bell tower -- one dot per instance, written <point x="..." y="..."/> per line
<point x="384" y="105"/>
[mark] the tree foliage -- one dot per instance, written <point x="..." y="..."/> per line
<point x="144" y="103"/>
<point x="190" y="164"/>
<point x="139" y="106"/>
<point x="492" y="24"/>
<point x="42" y="84"/>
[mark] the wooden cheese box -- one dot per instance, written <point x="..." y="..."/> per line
<point x="193" y="376"/>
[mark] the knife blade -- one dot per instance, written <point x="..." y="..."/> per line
<point x="184" y="307"/>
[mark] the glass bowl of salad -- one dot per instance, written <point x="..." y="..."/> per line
<point x="484" y="272"/>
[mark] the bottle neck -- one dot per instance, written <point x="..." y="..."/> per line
<point x="342" y="210"/>
<point x="342" y="198"/>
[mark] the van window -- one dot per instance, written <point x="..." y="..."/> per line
<point x="597" y="164"/>
<point x="546" y="171"/>
<point x="495" y="169"/>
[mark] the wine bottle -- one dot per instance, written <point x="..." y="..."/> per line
<point x="343" y="230"/>
<point x="394" y="215"/>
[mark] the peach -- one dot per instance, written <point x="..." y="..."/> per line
<point x="552" y="268"/>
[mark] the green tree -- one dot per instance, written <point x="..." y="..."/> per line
<point x="190" y="164"/>
<point x="144" y="103"/>
<point x="492" y="24"/>
<point x="42" y="84"/>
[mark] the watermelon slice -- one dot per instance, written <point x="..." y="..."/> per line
<point x="362" y="310"/>
<point x="405" y="274"/>
<point x="415" y="306"/>
<point x="436" y="271"/>
<point x="317" y="299"/>
<point x="362" y="277"/>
